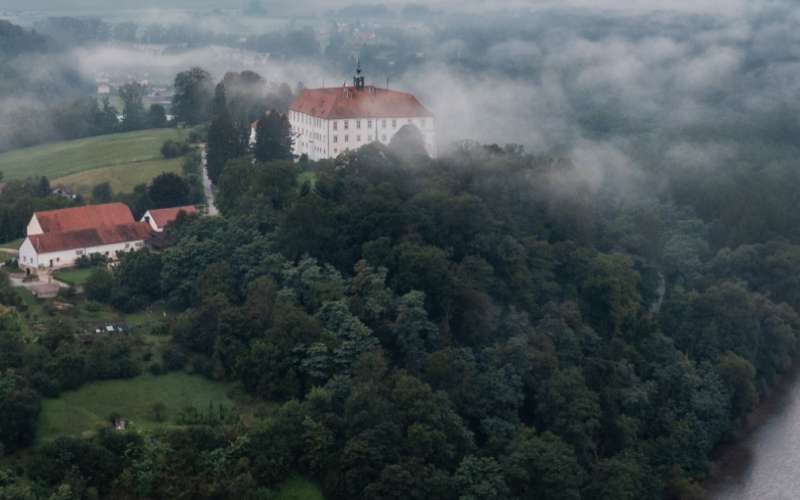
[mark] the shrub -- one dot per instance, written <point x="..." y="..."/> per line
<point x="174" y="359"/>
<point x="99" y="285"/>
<point x="198" y="134"/>
<point x="174" y="149"/>
<point x="159" y="411"/>
<point x="91" y="260"/>
<point x="93" y="306"/>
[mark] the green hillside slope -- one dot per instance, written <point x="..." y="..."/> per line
<point x="126" y="158"/>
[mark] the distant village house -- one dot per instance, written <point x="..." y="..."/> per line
<point x="65" y="192"/>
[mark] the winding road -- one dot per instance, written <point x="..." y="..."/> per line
<point x="207" y="187"/>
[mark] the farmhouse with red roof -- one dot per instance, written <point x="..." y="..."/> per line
<point x="329" y="121"/>
<point x="57" y="238"/>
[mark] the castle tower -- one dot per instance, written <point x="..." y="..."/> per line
<point x="358" y="79"/>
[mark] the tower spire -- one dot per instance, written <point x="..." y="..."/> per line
<point x="358" y="80"/>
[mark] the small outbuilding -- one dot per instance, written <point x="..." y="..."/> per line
<point x="161" y="217"/>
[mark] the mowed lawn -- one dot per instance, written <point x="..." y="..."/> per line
<point x="76" y="412"/>
<point x="74" y="276"/>
<point x="115" y="153"/>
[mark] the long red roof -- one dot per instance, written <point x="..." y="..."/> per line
<point x="85" y="217"/>
<point x="349" y="102"/>
<point x="92" y="237"/>
<point x="163" y="216"/>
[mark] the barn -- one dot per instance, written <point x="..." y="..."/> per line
<point x="57" y="238"/>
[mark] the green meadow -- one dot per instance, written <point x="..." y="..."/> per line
<point x="124" y="160"/>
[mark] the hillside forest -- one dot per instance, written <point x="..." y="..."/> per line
<point x="489" y="324"/>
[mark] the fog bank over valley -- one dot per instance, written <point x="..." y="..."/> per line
<point x="611" y="84"/>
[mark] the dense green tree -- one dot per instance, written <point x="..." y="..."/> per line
<point x="273" y="137"/>
<point x="414" y="332"/>
<point x="133" y="112"/>
<point x="542" y="467"/>
<point x="223" y="139"/>
<point x="739" y="376"/>
<point x="101" y="193"/>
<point x="139" y="273"/>
<point x="156" y="116"/>
<point x="194" y="90"/>
<point x="168" y="190"/>
<point x="480" y="478"/>
<point x="98" y="285"/>
<point x="611" y="292"/>
<point x="19" y="411"/>
<point x="571" y="410"/>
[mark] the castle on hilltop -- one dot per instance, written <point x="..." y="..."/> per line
<point x="328" y="121"/>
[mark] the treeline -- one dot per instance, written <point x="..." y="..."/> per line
<point x="240" y="101"/>
<point x="20" y="198"/>
<point x="58" y="104"/>
<point x="464" y="327"/>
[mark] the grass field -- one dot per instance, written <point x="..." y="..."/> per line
<point x="132" y="156"/>
<point x="123" y="178"/>
<point x="77" y="412"/>
<point x="299" y="488"/>
<point x="74" y="276"/>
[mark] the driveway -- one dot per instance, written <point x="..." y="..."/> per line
<point x="207" y="187"/>
<point x="46" y="287"/>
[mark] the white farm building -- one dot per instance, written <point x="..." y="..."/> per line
<point x="329" y="121"/>
<point x="159" y="218"/>
<point x="57" y="238"/>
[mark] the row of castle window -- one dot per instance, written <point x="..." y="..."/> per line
<point x="346" y="138"/>
<point x="383" y="123"/>
<point x="319" y="123"/>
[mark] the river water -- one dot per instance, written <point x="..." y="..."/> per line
<point x="765" y="464"/>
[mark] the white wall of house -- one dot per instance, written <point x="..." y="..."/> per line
<point x="30" y="259"/>
<point x="253" y="136"/>
<point x="34" y="227"/>
<point x="320" y="138"/>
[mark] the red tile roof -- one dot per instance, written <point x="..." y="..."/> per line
<point x="348" y="102"/>
<point x="92" y="237"/>
<point x="86" y="217"/>
<point x="164" y="216"/>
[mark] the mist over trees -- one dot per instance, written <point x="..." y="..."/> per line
<point x="194" y="90"/>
